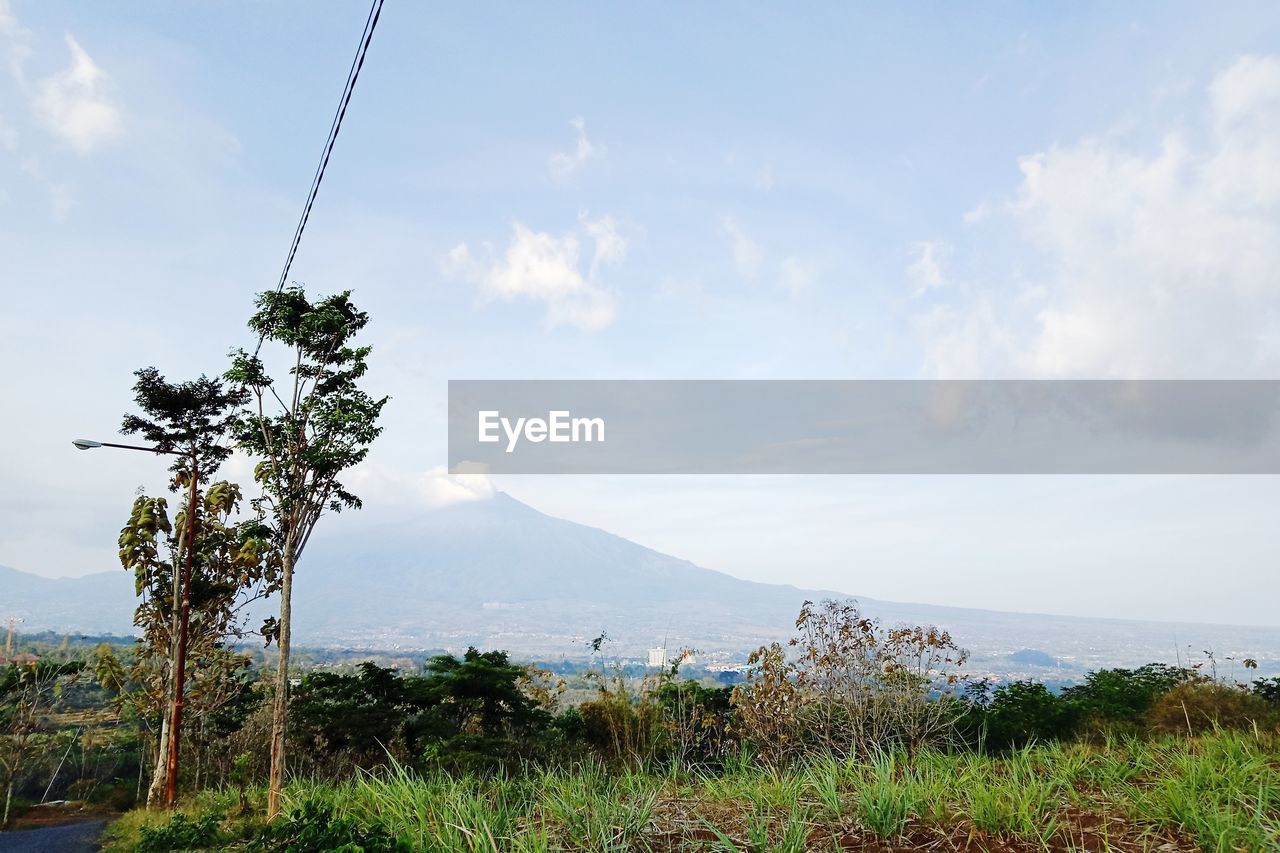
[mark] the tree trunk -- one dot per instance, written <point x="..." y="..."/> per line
<point x="155" y="792"/>
<point x="142" y="763"/>
<point x="280" y="714"/>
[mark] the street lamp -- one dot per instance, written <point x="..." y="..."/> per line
<point x="184" y="617"/>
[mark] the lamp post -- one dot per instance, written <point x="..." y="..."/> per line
<point x="184" y="613"/>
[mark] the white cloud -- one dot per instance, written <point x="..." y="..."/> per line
<point x="747" y="254"/>
<point x="611" y="247"/>
<point x="965" y="343"/>
<point x="432" y="489"/>
<point x="795" y="276"/>
<point x="73" y="103"/>
<point x="1150" y="264"/>
<point x="926" y="267"/>
<point x="977" y="213"/>
<point x="563" y="164"/>
<point x="546" y="268"/>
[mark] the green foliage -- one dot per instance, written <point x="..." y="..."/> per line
<point x="474" y="716"/>
<point x="620" y="725"/>
<point x="305" y="433"/>
<point x="314" y="829"/>
<point x="1268" y="690"/>
<point x="354" y="714"/>
<point x="324" y="423"/>
<point x="1220" y="792"/>
<point x="1123" y="695"/>
<point x="29" y="694"/>
<point x="1017" y="714"/>
<point x="698" y="720"/>
<point x="182" y="833"/>
<point x="464" y="714"/>
<point x="189" y="417"/>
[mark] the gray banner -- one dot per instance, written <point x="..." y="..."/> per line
<point x="864" y="427"/>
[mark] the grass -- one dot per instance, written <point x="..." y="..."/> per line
<point x="1220" y="792"/>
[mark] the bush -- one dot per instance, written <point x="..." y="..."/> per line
<point x="117" y="794"/>
<point x="697" y="720"/>
<point x="619" y="726"/>
<point x="1196" y="707"/>
<point x="314" y="829"/>
<point x="1268" y="690"/>
<point x="1019" y="713"/>
<point x="1123" y="695"/>
<point x="854" y="688"/>
<point x="181" y="833"/>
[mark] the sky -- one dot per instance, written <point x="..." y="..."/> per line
<point x="713" y="191"/>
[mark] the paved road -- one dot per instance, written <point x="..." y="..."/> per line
<point x="68" y="838"/>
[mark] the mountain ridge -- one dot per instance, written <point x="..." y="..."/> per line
<point x="499" y="573"/>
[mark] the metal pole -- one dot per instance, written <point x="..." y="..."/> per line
<point x="180" y="663"/>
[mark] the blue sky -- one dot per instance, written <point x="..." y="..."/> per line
<point x="713" y="190"/>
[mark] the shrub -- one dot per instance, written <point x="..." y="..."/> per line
<point x="1123" y="695"/>
<point x="855" y="687"/>
<point x="349" y="716"/>
<point x="767" y="707"/>
<point x="1019" y="713"/>
<point x="1268" y="690"/>
<point x="181" y="833"/>
<point x="696" y="720"/>
<point x="622" y="726"/>
<point x="314" y="829"/>
<point x="1195" y="707"/>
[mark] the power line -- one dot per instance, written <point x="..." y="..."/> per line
<point x="362" y="50"/>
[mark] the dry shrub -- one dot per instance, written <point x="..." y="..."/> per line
<point x="621" y="725"/>
<point x="854" y="687"/>
<point x="767" y="707"/>
<point x="1196" y="707"/>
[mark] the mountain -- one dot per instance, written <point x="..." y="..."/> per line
<point x="100" y="603"/>
<point x="500" y="571"/>
<point x="500" y="574"/>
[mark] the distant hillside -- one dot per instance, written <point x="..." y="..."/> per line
<point x="100" y="603"/>
<point x="498" y="573"/>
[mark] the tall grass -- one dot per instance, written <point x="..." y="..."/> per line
<point x="1221" y="791"/>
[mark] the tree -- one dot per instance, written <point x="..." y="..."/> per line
<point x="234" y="564"/>
<point x="321" y="427"/>
<point x="28" y="694"/>
<point x="191" y="420"/>
<point x="475" y="714"/>
<point x="352" y="718"/>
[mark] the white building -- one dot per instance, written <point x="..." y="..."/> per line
<point x="658" y="656"/>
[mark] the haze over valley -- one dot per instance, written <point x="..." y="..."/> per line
<point x="497" y="573"/>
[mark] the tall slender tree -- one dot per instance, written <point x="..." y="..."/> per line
<point x="191" y="419"/>
<point x="235" y="563"/>
<point x="306" y="432"/>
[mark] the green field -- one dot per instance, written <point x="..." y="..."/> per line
<point x="1218" y="792"/>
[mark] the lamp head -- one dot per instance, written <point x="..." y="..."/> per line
<point x="86" y="444"/>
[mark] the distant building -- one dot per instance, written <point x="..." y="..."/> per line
<point x="658" y="656"/>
